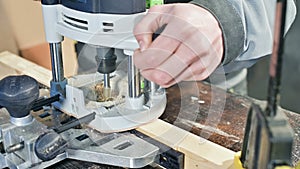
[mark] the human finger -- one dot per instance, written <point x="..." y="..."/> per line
<point x="200" y="69"/>
<point x="201" y="59"/>
<point x="152" y="21"/>
<point x="164" y="45"/>
<point x="156" y="55"/>
<point x="171" y="67"/>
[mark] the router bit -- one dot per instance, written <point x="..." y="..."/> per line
<point x="106" y="60"/>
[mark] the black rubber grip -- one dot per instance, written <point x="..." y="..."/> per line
<point x="17" y="94"/>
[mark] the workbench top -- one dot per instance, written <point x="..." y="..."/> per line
<point x="227" y="131"/>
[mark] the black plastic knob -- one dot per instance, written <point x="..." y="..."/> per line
<point x="17" y="94"/>
<point x="49" y="145"/>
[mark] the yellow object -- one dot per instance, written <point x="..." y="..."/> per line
<point x="298" y="165"/>
<point x="237" y="162"/>
<point x="283" y="167"/>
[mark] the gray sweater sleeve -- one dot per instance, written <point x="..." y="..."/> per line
<point x="247" y="28"/>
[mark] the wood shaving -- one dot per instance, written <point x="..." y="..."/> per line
<point x="99" y="90"/>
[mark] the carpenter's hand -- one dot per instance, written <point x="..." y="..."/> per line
<point x="189" y="48"/>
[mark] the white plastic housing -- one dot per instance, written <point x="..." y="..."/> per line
<point x="109" y="30"/>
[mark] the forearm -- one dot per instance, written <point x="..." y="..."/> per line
<point x="247" y="28"/>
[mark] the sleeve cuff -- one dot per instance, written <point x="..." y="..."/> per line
<point x="231" y="25"/>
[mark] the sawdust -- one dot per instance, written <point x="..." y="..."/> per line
<point x="100" y="96"/>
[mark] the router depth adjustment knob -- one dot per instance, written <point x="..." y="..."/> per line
<point x="17" y="95"/>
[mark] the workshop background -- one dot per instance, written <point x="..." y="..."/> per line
<point x="290" y="84"/>
<point x="21" y="32"/>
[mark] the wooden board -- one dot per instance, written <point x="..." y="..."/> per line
<point x="199" y="153"/>
<point x="22" y="66"/>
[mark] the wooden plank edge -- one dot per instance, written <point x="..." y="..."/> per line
<point x="199" y="152"/>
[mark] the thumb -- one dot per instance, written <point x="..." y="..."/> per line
<point x="150" y="23"/>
